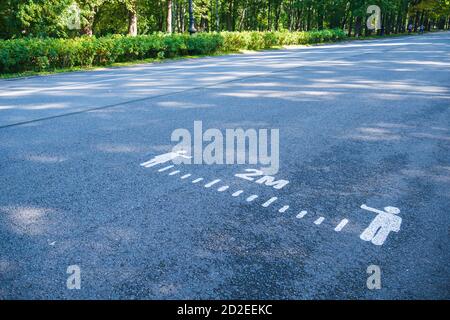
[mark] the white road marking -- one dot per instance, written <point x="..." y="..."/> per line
<point x="319" y="221"/>
<point x="269" y="202"/>
<point x="392" y="210"/>
<point x="385" y="222"/>
<point x="301" y="214"/>
<point x="222" y="189"/>
<point x="210" y="184"/>
<point x="165" y="168"/>
<point x="163" y="158"/>
<point x="237" y="193"/>
<point x="341" y="225"/>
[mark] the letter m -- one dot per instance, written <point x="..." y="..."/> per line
<point x="270" y="181"/>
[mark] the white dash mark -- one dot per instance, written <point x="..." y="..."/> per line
<point x="269" y="202"/>
<point x="174" y="172"/>
<point x="341" y="225"/>
<point x="237" y="193"/>
<point x="319" y="220"/>
<point x="165" y="168"/>
<point x="197" y="180"/>
<point x="223" y="188"/>
<point x="283" y="209"/>
<point x="210" y="184"/>
<point x="251" y="198"/>
<point x="301" y="214"/>
<point x="149" y="164"/>
<point x="186" y="176"/>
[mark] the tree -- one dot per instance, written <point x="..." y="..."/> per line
<point x="132" y="17"/>
<point x="20" y="18"/>
<point x="169" y="16"/>
<point x="89" y="10"/>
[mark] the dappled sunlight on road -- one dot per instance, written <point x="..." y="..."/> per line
<point x="28" y="220"/>
<point x="319" y="71"/>
<point x="373" y="134"/>
<point x="435" y="173"/>
<point x="120" y="148"/>
<point x="391" y="131"/>
<point x="357" y="124"/>
<point x="184" y="105"/>
<point x="45" y="158"/>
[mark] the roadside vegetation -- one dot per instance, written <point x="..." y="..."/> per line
<point x="34" y="54"/>
<point x="44" y="36"/>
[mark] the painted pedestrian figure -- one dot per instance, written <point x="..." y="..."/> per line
<point x="385" y="222"/>
<point x="165" y="157"/>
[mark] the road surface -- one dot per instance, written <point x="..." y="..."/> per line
<point x="361" y="123"/>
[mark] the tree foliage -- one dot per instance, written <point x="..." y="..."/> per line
<point x="43" y="18"/>
<point x="17" y="55"/>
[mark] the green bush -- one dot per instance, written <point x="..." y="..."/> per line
<point x="18" y="55"/>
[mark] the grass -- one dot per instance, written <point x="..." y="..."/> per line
<point x="27" y="74"/>
<point x="374" y="37"/>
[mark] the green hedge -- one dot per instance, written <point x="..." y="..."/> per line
<point x="36" y="54"/>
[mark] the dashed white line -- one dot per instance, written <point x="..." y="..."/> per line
<point x="269" y="202"/>
<point x="341" y="225"/>
<point x="210" y="184"/>
<point x="237" y="193"/>
<point x="165" y="168"/>
<point x="223" y="188"/>
<point x="301" y="214"/>
<point x="149" y="164"/>
<point x="319" y="221"/>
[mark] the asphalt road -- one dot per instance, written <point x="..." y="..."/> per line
<point x="364" y="122"/>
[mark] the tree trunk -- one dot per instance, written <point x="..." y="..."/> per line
<point x="416" y="21"/>
<point x="320" y="13"/>
<point x="350" y="25"/>
<point x="87" y="30"/>
<point x="169" y="16"/>
<point x="230" y="16"/>
<point x="358" y="26"/>
<point x="277" y="15"/>
<point x="217" y="16"/>
<point x="308" y="19"/>
<point x="132" y="21"/>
